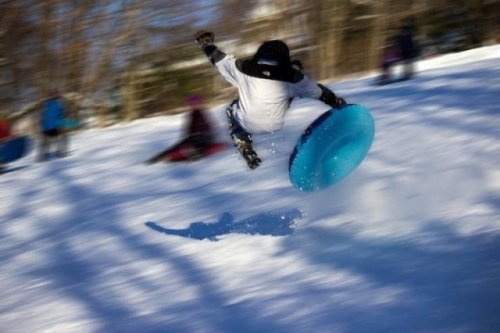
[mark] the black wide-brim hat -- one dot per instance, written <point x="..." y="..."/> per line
<point x="275" y="50"/>
<point x="271" y="61"/>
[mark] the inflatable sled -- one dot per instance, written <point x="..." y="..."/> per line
<point x="14" y="149"/>
<point x="331" y="147"/>
<point x="185" y="153"/>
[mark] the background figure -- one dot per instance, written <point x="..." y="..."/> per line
<point x="5" y="134"/>
<point x="198" y="136"/>
<point x="53" y="133"/>
<point x="390" y="56"/>
<point x="407" y="49"/>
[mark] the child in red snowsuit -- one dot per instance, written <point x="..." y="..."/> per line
<point x="198" y="137"/>
<point x="4" y="130"/>
<point x="5" y="135"/>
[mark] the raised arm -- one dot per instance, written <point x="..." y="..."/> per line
<point x="307" y="87"/>
<point x="205" y="40"/>
<point x="225" y="64"/>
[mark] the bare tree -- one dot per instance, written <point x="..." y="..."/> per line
<point x="90" y="49"/>
<point x="327" y="22"/>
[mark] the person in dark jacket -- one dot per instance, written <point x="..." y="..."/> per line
<point x="52" y="130"/>
<point x="390" y="56"/>
<point x="408" y="50"/>
<point x="198" y="136"/>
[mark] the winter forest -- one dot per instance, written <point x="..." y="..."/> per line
<point x="119" y="60"/>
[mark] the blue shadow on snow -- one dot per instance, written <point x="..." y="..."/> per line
<point x="271" y="224"/>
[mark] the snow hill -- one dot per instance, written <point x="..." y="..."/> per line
<point x="410" y="242"/>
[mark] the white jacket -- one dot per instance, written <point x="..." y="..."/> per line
<point x="263" y="102"/>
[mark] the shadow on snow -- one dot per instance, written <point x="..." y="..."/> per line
<point x="271" y="224"/>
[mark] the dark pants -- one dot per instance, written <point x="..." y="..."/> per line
<point x="57" y="137"/>
<point x="241" y="138"/>
<point x="235" y="130"/>
<point x="408" y="67"/>
<point x="386" y="70"/>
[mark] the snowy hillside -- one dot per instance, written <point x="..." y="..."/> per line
<point x="409" y="242"/>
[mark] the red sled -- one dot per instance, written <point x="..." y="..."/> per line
<point x="188" y="153"/>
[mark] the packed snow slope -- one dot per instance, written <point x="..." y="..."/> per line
<point x="410" y="242"/>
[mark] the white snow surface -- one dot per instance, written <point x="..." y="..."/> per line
<point x="409" y="242"/>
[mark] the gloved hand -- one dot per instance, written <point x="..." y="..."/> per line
<point x="339" y="101"/>
<point x="329" y="97"/>
<point x="204" y="38"/>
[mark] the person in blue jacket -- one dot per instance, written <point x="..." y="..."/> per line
<point x="52" y="131"/>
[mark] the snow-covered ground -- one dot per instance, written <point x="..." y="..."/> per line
<point x="409" y="242"/>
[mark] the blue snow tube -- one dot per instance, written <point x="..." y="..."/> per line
<point x="331" y="147"/>
<point x="14" y="149"/>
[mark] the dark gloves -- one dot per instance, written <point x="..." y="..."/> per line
<point x="329" y="97"/>
<point x="339" y="101"/>
<point x="204" y="38"/>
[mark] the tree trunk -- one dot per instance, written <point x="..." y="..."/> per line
<point x="328" y="27"/>
<point x="378" y="33"/>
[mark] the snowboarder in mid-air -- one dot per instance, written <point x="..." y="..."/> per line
<point x="266" y="85"/>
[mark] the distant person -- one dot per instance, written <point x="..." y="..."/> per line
<point x="266" y="85"/>
<point x="5" y="132"/>
<point x="408" y="50"/>
<point x="52" y="130"/>
<point x="5" y="135"/>
<point x="198" y="138"/>
<point x="390" y="57"/>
